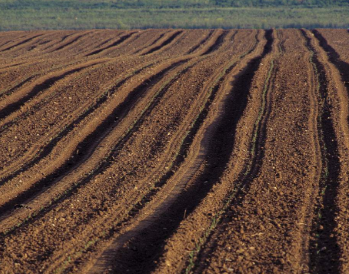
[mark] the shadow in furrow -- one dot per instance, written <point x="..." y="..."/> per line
<point x="12" y="65"/>
<point x="62" y="40"/>
<point x="141" y="253"/>
<point x="324" y="249"/>
<point x="86" y="147"/>
<point x="12" y="107"/>
<point x="153" y="43"/>
<point x="217" y="44"/>
<point x="11" y="90"/>
<point x="165" y="43"/>
<point x="116" y="43"/>
<point x="202" y="42"/>
<point x="334" y="57"/>
<point x="50" y="146"/>
<point x="69" y="43"/>
<point x="4" y="44"/>
<point x="251" y="169"/>
<point x="21" y="43"/>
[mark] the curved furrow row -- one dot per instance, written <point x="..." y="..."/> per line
<point x="7" y="66"/>
<point x="63" y="37"/>
<point x="59" y="96"/>
<point x="168" y="136"/>
<point x="335" y="58"/>
<point x="8" y="86"/>
<point x="5" y="43"/>
<point x="17" y="74"/>
<point x="156" y="39"/>
<point x="11" y="36"/>
<point x="56" y="129"/>
<point x="33" y="149"/>
<point x="17" y="78"/>
<point x="138" y="42"/>
<point x="72" y="124"/>
<point x="70" y="42"/>
<point x="88" y="143"/>
<point x="259" y="229"/>
<point x="219" y="42"/>
<point x="129" y="200"/>
<point x="327" y="250"/>
<point x="41" y="64"/>
<point x="162" y="43"/>
<point x="88" y="42"/>
<point x="214" y="41"/>
<point x="54" y="139"/>
<point x="47" y="149"/>
<point x="7" y="37"/>
<point x="145" y="236"/>
<point x="335" y="62"/>
<point x="17" y="52"/>
<point x="37" y="50"/>
<point x="182" y="44"/>
<point x="11" y="104"/>
<point x="220" y="128"/>
<point x="19" y="43"/>
<point x="202" y="42"/>
<point x="114" y="44"/>
<point x="174" y="151"/>
<point x="38" y="67"/>
<point x="38" y="94"/>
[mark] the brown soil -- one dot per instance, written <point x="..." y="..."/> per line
<point x="174" y="151"/>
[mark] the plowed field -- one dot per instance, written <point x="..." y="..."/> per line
<point x="174" y="151"/>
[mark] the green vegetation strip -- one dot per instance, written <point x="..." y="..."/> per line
<point x="40" y="15"/>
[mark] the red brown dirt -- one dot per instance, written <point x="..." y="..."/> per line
<point x="169" y="151"/>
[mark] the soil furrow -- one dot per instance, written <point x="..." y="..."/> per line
<point x="117" y="43"/>
<point x="44" y="151"/>
<point x="70" y="125"/>
<point x="54" y="43"/>
<point x="242" y="242"/>
<point x="50" y="146"/>
<point x="325" y="252"/>
<point x="332" y="52"/>
<point x="163" y="44"/>
<point x="20" y="43"/>
<point x="16" y="87"/>
<point x="136" y="209"/>
<point x="252" y="166"/>
<point x="30" y="45"/>
<point x="13" y="106"/>
<point x="217" y="44"/>
<point x="103" y="164"/>
<point x="86" y="146"/>
<point x="174" y="151"/>
<point x="4" y="44"/>
<point x="107" y="161"/>
<point x="69" y="43"/>
<point x="4" y="68"/>
<point x="15" y="37"/>
<point x="334" y="57"/>
<point x="156" y="229"/>
<point x="33" y="69"/>
<point x="153" y="43"/>
<point x="106" y="185"/>
<point x="202" y="42"/>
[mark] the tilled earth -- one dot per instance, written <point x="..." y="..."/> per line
<point x="174" y="151"/>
